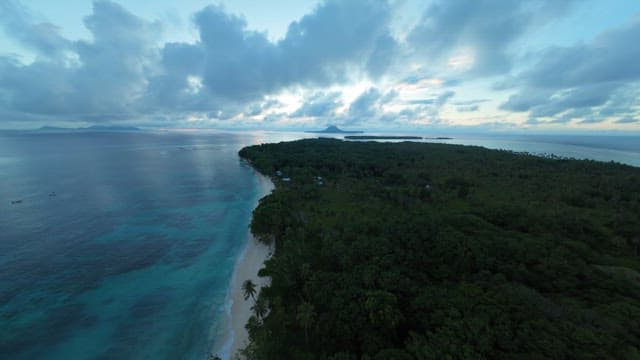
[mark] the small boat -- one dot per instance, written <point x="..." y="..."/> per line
<point x="16" y="202"/>
<point x="53" y="193"/>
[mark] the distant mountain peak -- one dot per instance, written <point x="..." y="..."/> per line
<point x="333" y="129"/>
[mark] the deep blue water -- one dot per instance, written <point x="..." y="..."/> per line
<point x="132" y="257"/>
<point x="124" y="243"/>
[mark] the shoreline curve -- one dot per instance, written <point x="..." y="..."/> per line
<point x="251" y="260"/>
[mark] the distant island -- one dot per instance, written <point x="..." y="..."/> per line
<point x="110" y="128"/>
<point x="332" y="129"/>
<point x="403" y="137"/>
<point x="373" y="137"/>
<point x="419" y="250"/>
<point x="89" y="128"/>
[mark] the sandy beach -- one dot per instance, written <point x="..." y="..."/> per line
<point x="247" y="267"/>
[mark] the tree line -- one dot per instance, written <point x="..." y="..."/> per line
<point x="434" y="251"/>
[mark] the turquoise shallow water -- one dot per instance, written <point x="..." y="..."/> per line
<point x="123" y="245"/>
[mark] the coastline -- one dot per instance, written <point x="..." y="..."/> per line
<point x="247" y="266"/>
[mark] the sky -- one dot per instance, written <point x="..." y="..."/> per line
<point x="478" y="65"/>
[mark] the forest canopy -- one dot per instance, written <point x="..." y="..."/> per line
<point x="433" y="251"/>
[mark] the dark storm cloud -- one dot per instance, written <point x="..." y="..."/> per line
<point x="598" y="77"/>
<point x="487" y="27"/>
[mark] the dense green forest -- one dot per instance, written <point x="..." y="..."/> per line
<point x="433" y="251"/>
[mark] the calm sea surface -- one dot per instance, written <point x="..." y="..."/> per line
<point x="124" y="243"/>
<point x="622" y="149"/>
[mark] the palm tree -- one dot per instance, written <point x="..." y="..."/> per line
<point x="249" y="289"/>
<point x="383" y="310"/>
<point x="305" y="316"/>
<point x="253" y="326"/>
<point x="260" y="308"/>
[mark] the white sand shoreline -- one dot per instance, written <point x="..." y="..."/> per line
<point x="250" y="261"/>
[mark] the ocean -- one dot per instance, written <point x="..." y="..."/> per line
<point x="121" y="245"/>
<point x="623" y="149"/>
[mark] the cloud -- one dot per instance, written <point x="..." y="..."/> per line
<point x="422" y="102"/>
<point x="369" y="106"/>
<point x="240" y="65"/>
<point x="124" y="72"/>
<point x="587" y="96"/>
<point x="477" y="35"/>
<point x="178" y="84"/>
<point x="383" y="55"/>
<point x="229" y="72"/>
<point x="467" y="108"/>
<point x="444" y="97"/>
<point x="411" y="112"/>
<point x="42" y="37"/>
<point x="601" y="77"/>
<point x="471" y="102"/>
<point x="438" y="101"/>
<point x="623" y="102"/>
<point x="627" y="120"/>
<point x="365" y="105"/>
<point x="469" y="105"/>
<point x="319" y="105"/>
<point x="107" y="76"/>
<point x="260" y="108"/>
